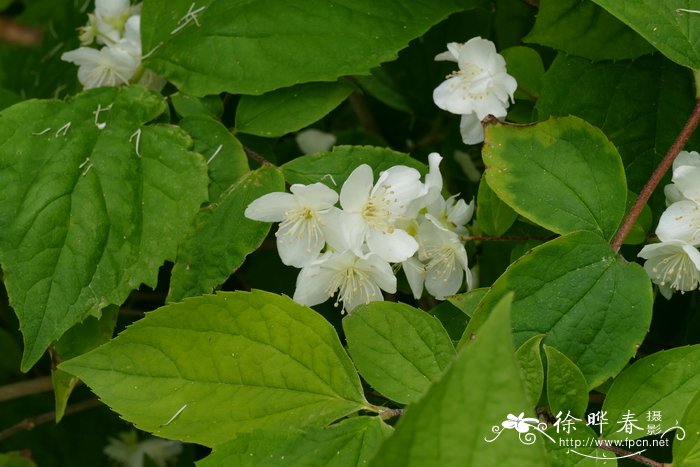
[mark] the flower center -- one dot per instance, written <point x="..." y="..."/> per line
<point x="678" y="272"/>
<point x="350" y="283"/>
<point x="301" y="223"/>
<point x="441" y="262"/>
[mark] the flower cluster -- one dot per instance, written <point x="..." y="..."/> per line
<point x="115" y="26"/>
<point x="481" y="87"/>
<point x="674" y="263"/>
<point x="349" y="249"/>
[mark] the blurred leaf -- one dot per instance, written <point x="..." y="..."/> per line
<point x="380" y="85"/>
<point x="525" y="65"/>
<point x="468" y="301"/>
<point x="686" y="452"/>
<point x="531" y="369"/>
<point x="15" y="459"/>
<point x="452" y="318"/>
<point x="214" y="366"/>
<point x="567" y="390"/>
<point x="493" y="216"/>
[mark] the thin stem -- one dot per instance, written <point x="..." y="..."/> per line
<point x="25" y="388"/>
<point x="31" y="422"/>
<point x="257" y="157"/>
<point x="656" y="178"/>
<point x="636" y="457"/>
<point x="364" y="115"/>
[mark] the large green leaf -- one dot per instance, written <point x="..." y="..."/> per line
<point x="640" y="105"/>
<point x="397" y="349"/>
<point x="350" y="443"/>
<point x="226" y="159"/>
<point x="271" y="44"/>
<point x="562" y="174"/>
<point x="580" y="27"/>
<point x="567" y="390"/>
<point x="591" y="304"/>
<point x="88" y="214"/>
<point x="279" y="112"/>
<point x="450" y="424"/>
<point x="674" y="32"/>
<point x="214" y="366"/>
<point x="222" y="236"/>
<point x="665" y="382"/>
<point x="686" y="452"/>
<point x="334" y="167"/>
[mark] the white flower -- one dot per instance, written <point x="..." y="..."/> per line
<point x="312" y="140"/>
<point x="673" y="264"/>
<point x="452" y="213"/>
<point x="370" y="213"/>
<point x="357" y="279"/>
<point x="110" y="18"/>
<point x="480" y="87"/>
<point x="686" y="170"/>
<point x="444" y="257"/>
<point x="520" y="423"/>
<point x="129" y="452"/>
<point x="300" y="236"/>
<point x="680" y="221"/>
<point x="109" y="66"/>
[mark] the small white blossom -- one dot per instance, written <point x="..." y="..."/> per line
<point x="673" y="265"/>
<point x="480" y="87"/>
<point x="686" y="169"/>
<point x="312" y="141"/>
<point x="444" y="257"/>
<point x="129" y="452"/>
<point x="370" y="213"/>
<point x="357" y="279"/>
<point x="300" y="236"/>
<point x="109" y="66"/>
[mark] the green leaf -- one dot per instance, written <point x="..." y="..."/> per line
<point x="562" y="174"/>
<point x="399" y="350"/>
<point x="279" y="112"/>
<point x="222" y="236"/>
<point x="189" y="106"/>
<point x="493" y="215"/>
<point x="580" y="27"/>
<point x="236" y="362"/>
<point x="334" y="167"/>
<point x="686" y="452"/>
<point x="15" y="459"/>
<point x="591" y="304"/>
<point x="525" y="65"/>
<point x="640" y="105"/>
<point x="531" y="369"/>
<point x="274" y="44"/>
<point x="226" y="160"/>
<point x="666" y="381"/>
<point x="382" y="87"/>
<point x="78" y="340"/>
<point x="577" y="448"/>
<point x="350" y="443"/>
<point x="567" y="390"/>
<point x="674" y="33"/>
<point x="468" y="301"/>
<point x="452" y="319"/>
<point x="8" y="98"/>
<point x="449" y="425"/>
<point x="84" y="218"/>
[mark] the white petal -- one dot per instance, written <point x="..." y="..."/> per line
<point x="405" y="186"/>
<point x="673" y="264"/>
<point x="379" y="271"/>
<point x="271" y="207"/>
<point x="344" y="230"/>
<point x="691" y="158"/>
<point x="355" y="191"/>
<point x="371" y="293"/>
<point x="687" y="180"/>
<point x="453" y="95"/>
<point x="394" y="247"/>
<point x="312" y="284"/>
<point x="673" y="194"/>
<point x="317" y="195"/>
<point x="441" y="285"/>
<point x="301" y="245"/>
<point x="415" y="274"/>
<point x="680" y="221"/>
<point x="478" y="51"/>
<point x="112" y="7"/>
<point x="471" y="129"/>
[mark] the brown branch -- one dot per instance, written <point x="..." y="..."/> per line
<point x="656" y="178"/>
<point x="257" y="157"/>
<point x="636" y="457"/>
<point x="533" y="3"/>
<point x="25" y="388"/>
<point x="31" y="422"/>
<point x="18" y="34"/>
